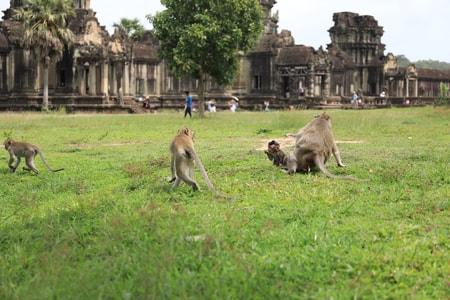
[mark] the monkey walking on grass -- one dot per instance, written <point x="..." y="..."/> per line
<point x="183" y="156"/>
<point x="26" y="150"/>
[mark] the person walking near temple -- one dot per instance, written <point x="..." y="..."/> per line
<point x="188" y="105"/>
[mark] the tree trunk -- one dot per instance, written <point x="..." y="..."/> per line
<point x="45" y="91"/>
<point x="201" y="96"/>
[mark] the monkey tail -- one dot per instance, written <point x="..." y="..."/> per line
<point x="204" y="174"/>
<point x="45" y="162"/>
<point x="319" y="163"/>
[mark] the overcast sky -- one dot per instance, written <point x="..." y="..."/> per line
<point x="418" y="29"/>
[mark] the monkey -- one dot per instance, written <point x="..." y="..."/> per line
<point x="183" y="156"/>
<point x="27" y="150"/>
<point x="314" y="144"/>
<point x="275" y="154"/>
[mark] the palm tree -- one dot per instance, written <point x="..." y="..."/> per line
<point x="132" y="27"/>
<point x="45" y="32"/>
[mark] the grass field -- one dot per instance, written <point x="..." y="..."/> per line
<point x="108" y="226"/>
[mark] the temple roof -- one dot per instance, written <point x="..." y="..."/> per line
<point x="268" y="43"/>
<point x="298" y="55"/>
<point x="341" y="60"/>
<point x="145" y="52"/>
<point x="443" y="75"/>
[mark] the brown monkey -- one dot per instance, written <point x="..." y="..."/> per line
<point x="275" y="154"/>
<point x="27" y="150"/>
<point x="183" y="156"/>
<point x="314" y="144"/>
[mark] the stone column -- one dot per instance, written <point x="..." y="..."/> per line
<point x="92" y="81"/>
<point x="416" y="88"/>
<point x="312" y="77"/>
<point x="126" y="79"/>
<point x="326" y="88"/>
<point x="105" y="83"/>
<point x="112" y="80"/>
<point x="407" y="87"/>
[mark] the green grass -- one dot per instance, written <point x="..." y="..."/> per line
<point x="108" y="227"/>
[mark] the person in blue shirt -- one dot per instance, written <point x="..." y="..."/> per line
<point x="188" y="105"/>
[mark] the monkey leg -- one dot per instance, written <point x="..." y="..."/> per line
<point x="291" y="163"/>
<point x="176" y="183"/>
<point x="172" y="168"/>
<point x="10" y="164"/>
<point x="30" y="164"/>
<point x="185" y="171"/>
<point x="187" y="180"/>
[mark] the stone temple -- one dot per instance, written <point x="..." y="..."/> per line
<point x="105" y="72"/>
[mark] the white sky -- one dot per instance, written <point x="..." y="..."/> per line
<point x="418" y="29"/>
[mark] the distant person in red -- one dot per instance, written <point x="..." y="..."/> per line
<point x="146" y="102"/>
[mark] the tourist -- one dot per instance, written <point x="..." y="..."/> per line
<point x="355" y="98"/>
<point x="266" y="105"/>
<point x="146" y="103"/>
<point x="212" y="105"/>
<point x="188" y="105"/>
<point x="233" y="103"/>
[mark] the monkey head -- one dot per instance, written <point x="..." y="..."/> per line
<point x="8" y="143"/>
<point x="275" y="154"/>
<point x="188" y="132"/>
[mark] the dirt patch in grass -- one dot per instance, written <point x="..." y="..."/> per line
<point x="112" y="144"/>
<point x="289" y="141"/>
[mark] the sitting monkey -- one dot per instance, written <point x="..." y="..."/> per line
<point x="275" y="154"/>
<point x="314" y="145"/>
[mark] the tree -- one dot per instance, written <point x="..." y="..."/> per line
<point x="444" y="98"/>
<point x="402" y="60"/>
<point x="45" y="32"/>
<point x="132" y="28"/>
<point x="201" y="38"/>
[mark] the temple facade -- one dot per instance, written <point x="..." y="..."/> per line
<point x="108" y="72"/>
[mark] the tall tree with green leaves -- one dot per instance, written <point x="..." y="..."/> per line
<point x="132" y="27"/>
<point x="46" y="32"/>
<point x="201" y="38"/>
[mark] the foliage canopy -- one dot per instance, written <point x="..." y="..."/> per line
<point x="132" y="27"/>
<point x="403" y="61"/>
<point x="45" y="27"/>
<point x="444" y="98"/>
<point x="202" y="38"/>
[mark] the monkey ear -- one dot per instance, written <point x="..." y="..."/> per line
<point x="325" y="116"/>
<point x="186" y="131"/>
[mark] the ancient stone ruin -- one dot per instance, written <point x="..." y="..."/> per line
<point x="105" y="72"/>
